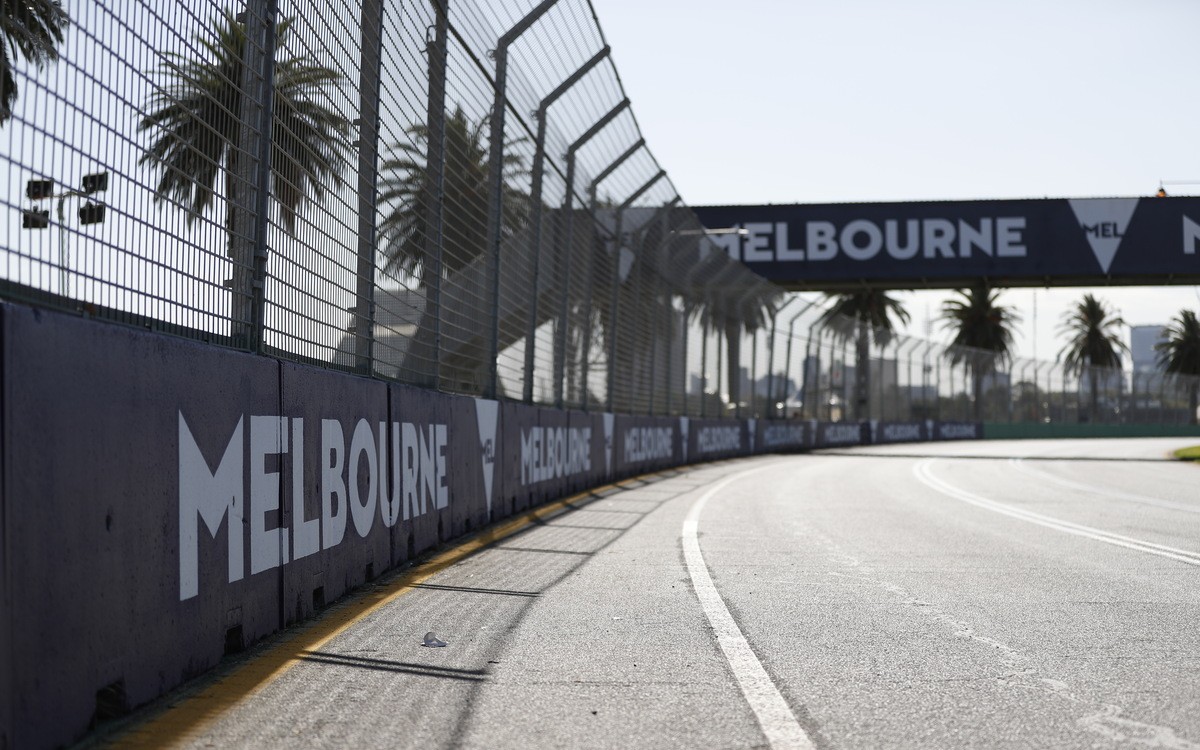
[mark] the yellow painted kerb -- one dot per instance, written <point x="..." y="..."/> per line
<point x="187" y="719"/>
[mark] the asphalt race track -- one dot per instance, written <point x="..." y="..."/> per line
<point x="942" y="595"/>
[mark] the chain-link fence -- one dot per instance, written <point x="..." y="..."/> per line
<point x="818" y="367"/>
<point x="450" y="193"/>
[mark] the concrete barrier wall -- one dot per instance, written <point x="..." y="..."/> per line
<point x="166" y="503"/>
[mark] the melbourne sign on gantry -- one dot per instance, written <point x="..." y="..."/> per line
<point x="1051" y="242"/>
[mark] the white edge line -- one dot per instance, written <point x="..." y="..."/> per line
<point x="778" y="723"/>
<point x="922" y="472"/>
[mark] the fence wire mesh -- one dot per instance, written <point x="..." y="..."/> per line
<point x="454" y="194"/>
<point x="814" y="369"/>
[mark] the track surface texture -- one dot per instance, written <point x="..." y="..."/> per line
<point x="954" y="595"/>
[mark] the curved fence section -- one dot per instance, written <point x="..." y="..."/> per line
<point x="452" y="194"/>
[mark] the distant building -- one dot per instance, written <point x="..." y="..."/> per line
<point x="1141" y="346"/>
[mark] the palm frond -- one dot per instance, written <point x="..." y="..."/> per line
<point x="31" y="30"/>
<point x="193" y="119"/>
<point x="1179" y="353"/>
<point x="1094" y="338"/>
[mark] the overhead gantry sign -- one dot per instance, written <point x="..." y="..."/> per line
<point x="951" y="244"/>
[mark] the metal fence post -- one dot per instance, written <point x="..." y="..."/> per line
<point x="661" y="216"/>
<point x="787" y="362"/>
<point x="569" y="210"/>
<point x="752" y="396"/>
<point x="734" y="376"/>
<point x="371" y="24"/>
<point x="686" y="296"/>
<point x="771" y="400"/>
<point x="810" y="364"/>
<point x="248" y="240"/>
<point x="720" y="363"/>
<point x="435" y="165"/>
<point x="613" y="314"/>
<point x="706" y="320"/>
<point x="539" y="159"/>
<point x="496" y="180"/>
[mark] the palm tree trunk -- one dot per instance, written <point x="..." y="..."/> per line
<point x="733" y="348"/>
<point x="1095" y="395"/>
<point x="977" y="386"/>
<point x="862" y="372"/>
<point x="1193" y="402"/>
<point x="240" y="250"/>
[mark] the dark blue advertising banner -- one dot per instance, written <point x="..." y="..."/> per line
<point x="899" y="432"/>
<point x="710" y="439"/>
<point x="784" y="435"/>
<point x="958" y="431"/>
<point x="549" y="453"/>
<point x="950" y="244"/>
<point x="642" y="444"/>
<point x="840" y="434"/>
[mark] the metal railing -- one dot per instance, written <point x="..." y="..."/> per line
<point x="454" y="194"/>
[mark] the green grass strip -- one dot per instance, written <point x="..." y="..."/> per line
<point x="1188" y="454"/>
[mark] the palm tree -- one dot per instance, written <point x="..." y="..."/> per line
<point x="861" y="317"/>
<point x="408" y="237"/>
<point x="1179" y="354"/>
<point x="196" y="131"/>
<point x="982" y="334"/>
<point x="749" y="317"/>
<point x="31" y="29"/>
<point x="407" y="185"/>
<point x="1094" y="343"/>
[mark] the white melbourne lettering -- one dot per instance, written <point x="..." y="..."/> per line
<point x="897" y="433"/>
<point x="864" y="240"/>
<point x="843" y="433"/>
<point x="554" y="452"/>
<point x="718" y="439"/>
<point x="418" y="465"/>
<point x="779" y="436"/>
<point x="957" y="431"/>
<point x="649" y="443"/>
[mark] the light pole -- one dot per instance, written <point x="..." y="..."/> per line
<point x="90" y="212"/>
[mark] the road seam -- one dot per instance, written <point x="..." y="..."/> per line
<point x="774" y="716"/>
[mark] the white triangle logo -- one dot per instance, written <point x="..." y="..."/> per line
<point x="485" y="415"/>
<point x="750" y="424"/>
<point x="683" y="435"/>
<point x="1104" y="221"/>
<point x="608" y="440"/>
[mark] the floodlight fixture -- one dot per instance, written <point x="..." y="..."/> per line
<point x="32" y="218"/>
<point x="91" y="213"/>
<point x="37" y="190"/>
<point x="95" y="183"/>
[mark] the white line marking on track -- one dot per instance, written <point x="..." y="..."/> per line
<point x="1021" y="465"/>
<point x="922" y="472"/>
<point x="778" y="723"/>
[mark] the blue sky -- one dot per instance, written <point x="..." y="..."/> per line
<point x="774" y="101"/>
